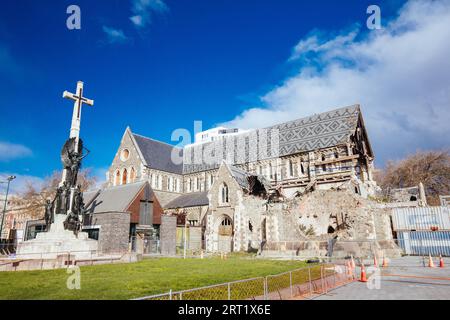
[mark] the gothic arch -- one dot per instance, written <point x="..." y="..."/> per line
<point x="117" y="178"/>
<point x="124" y="176"/>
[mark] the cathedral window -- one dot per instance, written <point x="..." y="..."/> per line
<point x="290" y="168"/>
<point x="189" y="185"/>
<point x="153" y="177"/>
<point x="302" y="168"/>
<point x="124" y="176"/>
<point x="132" y="175"/>
<point x="211" y="180"/>
<point x="160" y="180"/>
<point x="117" y="179"/>
<point x="124" y="154"/>
<point x="224" y="198"/>
<point x="170" y="183"/>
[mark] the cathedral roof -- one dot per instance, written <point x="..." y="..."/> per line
<point x="315" y="132"/>
<point x="158" y="155"/>
<point x="195" y="199"/>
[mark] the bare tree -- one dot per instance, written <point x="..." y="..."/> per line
<point x="432" y="168"/>
<point x="33" y="198"/>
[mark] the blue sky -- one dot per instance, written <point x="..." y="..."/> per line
<point x="159" y="65"/>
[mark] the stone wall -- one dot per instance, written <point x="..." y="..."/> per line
<point x="114" y="231"/>
<point x="168" y="234"/>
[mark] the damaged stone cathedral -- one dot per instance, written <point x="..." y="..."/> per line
<point x="312" y="185"/>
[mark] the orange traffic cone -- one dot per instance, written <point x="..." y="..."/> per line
<point x="375" y="261"/>
<point x="430" y="262"/>
<point x="385" y="264"/>
<point x="363" y="273"/>
<point x="441" y="261"/>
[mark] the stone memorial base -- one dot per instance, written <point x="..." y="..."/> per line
<point x="56" y="242"/>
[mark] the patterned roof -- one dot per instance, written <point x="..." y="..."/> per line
<point x="158" y="155"/>
<point x="319" y="131"/>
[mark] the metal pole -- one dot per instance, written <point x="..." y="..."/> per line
<point x="10" y="178"/>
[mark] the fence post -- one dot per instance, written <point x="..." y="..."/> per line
<point x="265" y="288"/>
<point x="170" y="294"/>
<point x="321" y="278"/>
<point x="290" y="284"/>
<point x="310" y="284"/>
<point x="229" y="291"/>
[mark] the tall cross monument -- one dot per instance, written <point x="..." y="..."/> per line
<point x="78" y="103"/>
<point x="69" y="197"/>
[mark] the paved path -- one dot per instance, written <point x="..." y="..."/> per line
<point x="405" y="278"/>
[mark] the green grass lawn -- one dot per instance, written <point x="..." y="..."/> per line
<point x="147" y="277"/>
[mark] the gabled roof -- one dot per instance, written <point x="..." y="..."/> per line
<point x="112" y="199"/>
<point x="195" y="199"/>
<point x="319" y="131"/>
<point x="157" y="154"/>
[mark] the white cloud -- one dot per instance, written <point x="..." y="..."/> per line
<point x="144" y="9"/>
<point x="400" y="76"/>
<point x="11" y="151"/>
<point x="115" y="35"/>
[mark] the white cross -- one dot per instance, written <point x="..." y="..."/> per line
<point x="79" y="100"/>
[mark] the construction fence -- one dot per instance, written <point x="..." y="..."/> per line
<point x="304" y="283"/>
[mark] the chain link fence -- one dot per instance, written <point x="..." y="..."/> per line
<point x="303" y="283"/>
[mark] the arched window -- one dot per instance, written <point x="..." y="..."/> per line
<point x="224" y="194"/>
<point x="117" y="179"/>
<point x="132" y="175"/>
<point x="189" y="185"/>
<point x="170" y="183"/>
<point x="160" y="179"/>
<point x="270" y="171"/>
<point x="124" y="176"/>
<point x="290" y="168"/>
<point x="153" y="181"/>
<point x="302" y="168"/>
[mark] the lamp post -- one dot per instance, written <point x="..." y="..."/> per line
<point x="9" y="179"/>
